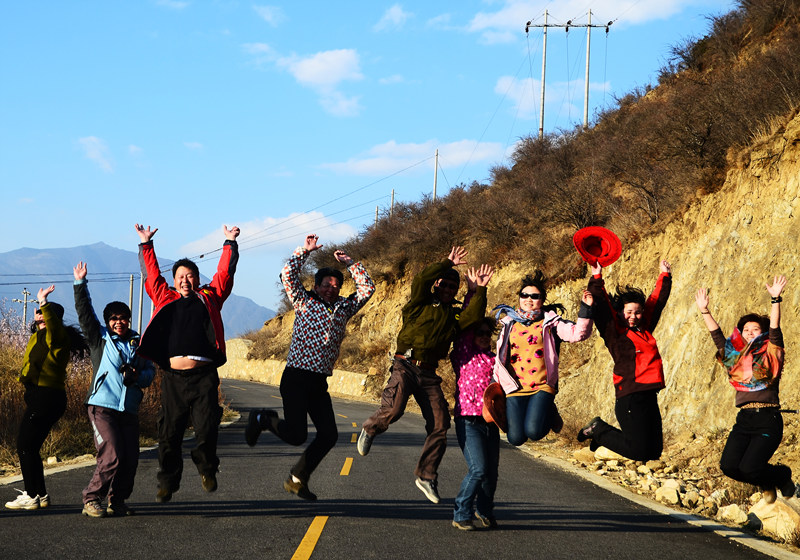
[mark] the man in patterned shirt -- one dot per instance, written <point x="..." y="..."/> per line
<point x="319" y="325"/>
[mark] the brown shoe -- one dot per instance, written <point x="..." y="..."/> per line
<point x="299" y="488"/>
<point x="209" y="482"/>
<point x="93" y="509"/>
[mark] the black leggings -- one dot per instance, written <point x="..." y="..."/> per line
<point x="640" y="437"/>
<point x="44" y="407"/>
<point x="752" y="441"/>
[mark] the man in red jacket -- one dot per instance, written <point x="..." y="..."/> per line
<point x="186" y="339"/>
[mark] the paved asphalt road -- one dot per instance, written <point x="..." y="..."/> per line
<point x="374" y="511"/>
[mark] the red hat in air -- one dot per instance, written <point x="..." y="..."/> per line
<point x="597" y="245"/>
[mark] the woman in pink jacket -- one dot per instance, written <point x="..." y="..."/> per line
<point x="527" y="358"/>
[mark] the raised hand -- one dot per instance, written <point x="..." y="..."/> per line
<point x="79" y="271"/>
<point x="311" y="242"/>
<point x="596" y="269"/>
<point x="44" y="292"/>
<point x="458" y="256"/>
<point x="230" y="234"/>
<point x="343" y="258"/>
<point x="587" y="298"/>
<point x="485" y="273"/>
<point x="145" y="234"/>
<point x="666" y="267"/>
<point x="778" y="283"/>
<point x="702" y="300"/>
<point x="471" y="276"/>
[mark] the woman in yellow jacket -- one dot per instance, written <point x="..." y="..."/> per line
<point x="44" y="372"/>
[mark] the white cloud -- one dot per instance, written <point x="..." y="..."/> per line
<point x="273" y="15"/>
<point x="134" y="150"/>
<point x="275" y="235"/>
<point x="324" y="72"/>
<point x="26" y="200"/>
<point x="96" y="150"/>
<point x="563" y="100"/>
<point x="172" y="4"/>
<point x="393" y="18"/>
<point x="507" y="23"/>
<point x="441" y="21"/>
<point x="393" y="79"/>
<point x="193" y="145"/>
<point x="391" y="156"/>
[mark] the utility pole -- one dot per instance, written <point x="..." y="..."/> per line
<point x="141" y="295"/>
<point x="376" y="216"/>
<point x="566" y="27"/>
<point x="391" y="207"/>
<point x="24" y="302"/>
<point x="435" y="173"/>
<point x="130" y="294"/>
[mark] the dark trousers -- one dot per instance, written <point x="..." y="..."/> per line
<point x="116" y="437"/>
<point x="406" y="380"/>
<point x="529" y="416"/>
<point x="191" y="394"/>
<point x="305" y="394"/>
<point x="44" y="407"/>
<point x="640" y="437"/>
<point x="754" y="438"/>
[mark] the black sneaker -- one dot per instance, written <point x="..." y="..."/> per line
<point x="557" y="424"/>
<point x="119" y="510"/>
<point x="164" y="494"/>
<point x="588" y="430"/>
<point x="484" y="522"/>
<point x="253" y="429"/>
<point x="364" y="442"/>
<point x="788" y="490"/>
<point x="464" y="525"/>
<point x="209" y="482"/>
<point x="299" y="488"/>
<point x="428" y="488"/>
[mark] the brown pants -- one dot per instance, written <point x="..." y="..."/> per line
<point x="426" y="387"/>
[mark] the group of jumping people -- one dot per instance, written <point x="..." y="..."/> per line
<point x="185" y="338"/>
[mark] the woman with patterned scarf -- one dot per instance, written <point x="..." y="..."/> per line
<point x="753" y="356"/>
<point x="527" y="358"/>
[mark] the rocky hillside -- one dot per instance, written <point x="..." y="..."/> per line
<point x="731" y="241"/>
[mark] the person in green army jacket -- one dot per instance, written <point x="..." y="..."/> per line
<point x="431" y="320"/>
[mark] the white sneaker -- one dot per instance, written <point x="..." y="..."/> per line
<point x="24" y="501"/>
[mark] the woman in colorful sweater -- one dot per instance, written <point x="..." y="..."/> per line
<point x="44" y="372"/>
<point x="527" y="358"/>
<point x="626" y="323"/>
<point x="473" y="362"/>
<point x="753" y="356"/>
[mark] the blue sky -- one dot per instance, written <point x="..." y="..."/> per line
<point x="288" y="117"/>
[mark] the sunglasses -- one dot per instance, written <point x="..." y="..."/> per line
<point x="119" y="318"/>
<point x="526" y="295"/>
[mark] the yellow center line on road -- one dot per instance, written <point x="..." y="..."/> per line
<point x="353" y="438"/>
<point x="235" y="387"/>
<point x="348" y="462"/>
<point x="341" y="415"/>
<point x="308" y="543"/>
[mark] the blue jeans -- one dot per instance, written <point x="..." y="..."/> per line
<point x="529" y="417"/>
<point x="480" y="443"/>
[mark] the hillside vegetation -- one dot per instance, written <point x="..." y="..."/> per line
<point x="703" y="170"/>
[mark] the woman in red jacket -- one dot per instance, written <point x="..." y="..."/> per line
<point x="626" y="323"/>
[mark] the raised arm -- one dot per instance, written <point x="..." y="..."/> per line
<point x="702" y="299"/>
<point x="290" y="273"/>
<point x="778" y="283"/>
<point x="365" y="287"/>
<point x="423" y="282"/>
<point x="658" y="298"/>
<point x="222" y="282"/>
<point x="477" y="305"/>
<point x="90" y="324"/>
<point x="154" y="283"/>
<point x="582" y="328"/>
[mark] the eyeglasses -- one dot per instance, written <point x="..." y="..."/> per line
<point x="118" y="318"/>
<point x="526" y="295"/>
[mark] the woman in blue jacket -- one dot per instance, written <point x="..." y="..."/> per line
<point x="118" y="376"/>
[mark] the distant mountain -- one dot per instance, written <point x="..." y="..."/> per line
<point x="109" y="279"/>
